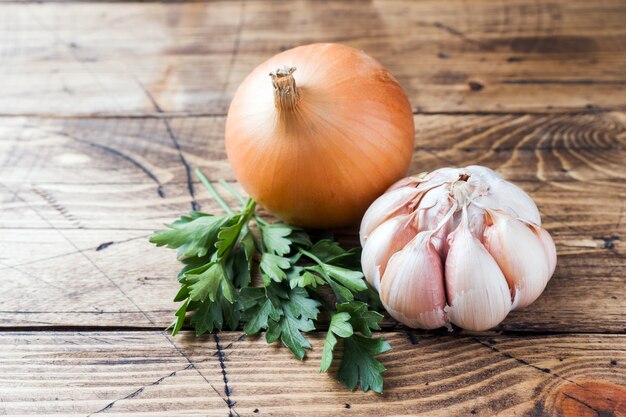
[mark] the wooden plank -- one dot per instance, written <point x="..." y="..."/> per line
<point x="131" y="283"/>
<point x="71" y="186"/>
<point x="109" y="58"/>
<point x="439" y="376"/>
<point x="143" y="374"/>
<point x="117" y="373"/>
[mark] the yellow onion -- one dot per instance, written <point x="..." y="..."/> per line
<point x="478" y="250"/>
<point x="316" y="133"/>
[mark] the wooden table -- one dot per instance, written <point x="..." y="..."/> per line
<point x="104" y="107"/>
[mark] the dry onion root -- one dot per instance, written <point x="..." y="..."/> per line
<point x="456" y="245"/>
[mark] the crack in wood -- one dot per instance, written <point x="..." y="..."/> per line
<point x="139" y="391"/>
<point x="600" y="413"/>
<point x="49" y="198"/>
<point x="104" y="245"/>
<point x="181" y="353"/>
<point x="190" y="187"/>
<point x="227" y="390"/>
<point x="36" y="277"/>
<point x="457" y="33"/>
<point x="608" y="241"/>
<point x="68" y="240"/>
<point x="61" y="255"/>
<point x="233" y="58"/>
<point x="120" y="154"/>
<point x="524" y="362"/>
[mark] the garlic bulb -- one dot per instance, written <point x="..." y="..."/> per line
<point x="456" y="245"/>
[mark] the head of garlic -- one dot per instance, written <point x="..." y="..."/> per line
<point x="456" y="245"/>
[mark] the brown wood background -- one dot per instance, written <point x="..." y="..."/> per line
<point x="105" y="105"/>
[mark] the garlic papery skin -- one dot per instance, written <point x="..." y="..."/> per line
<point x="412" y="288"/>
<point x="484" y="231"/>
<point x="388" y="205"/>
<point x="387" y="239"/>
<point x="478" y="295"/>
<point x="520" y="255"/>
<point x="412" y="181"/>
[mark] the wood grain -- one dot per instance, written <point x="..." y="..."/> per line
<point x="105" y="108"/>
<point x="119" y="58"/>
<point x="112" y="373"/>
<point x="147" y="373"/>
<point x="70" y="187"/>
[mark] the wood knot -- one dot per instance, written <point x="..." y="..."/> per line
<point x="591" y="398"/>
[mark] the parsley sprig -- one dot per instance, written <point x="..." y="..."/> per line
<point x="221" y="254"/>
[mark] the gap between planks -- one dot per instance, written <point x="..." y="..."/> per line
<point x="390" y="328"/>
<point x="191" y="115"/>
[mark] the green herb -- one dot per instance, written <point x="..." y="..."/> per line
<point x="220" y="254"/>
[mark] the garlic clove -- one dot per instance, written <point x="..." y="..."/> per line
<point x="478" y="294"/>
<point x="548" y="244"/>
<point x="505" y="195"/>
<point x="490" y="202"/>
<point x="520" y="254"/>
<point x="445" y="174"/>
<point x="483" y="173"/>
<point x="385" y="207"/>
<point x="412" y="181"/>
<point x="511" y="196"/>
<point x="412" y="288"/>
<point x="433" y="207"/>
<point x="386" y="240"/>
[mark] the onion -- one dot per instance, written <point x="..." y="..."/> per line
<point x="320" y="138"/>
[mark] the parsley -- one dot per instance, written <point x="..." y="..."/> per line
<point x="220" y="254"/>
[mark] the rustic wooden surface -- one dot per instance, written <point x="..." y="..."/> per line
<point x="83" y="373"/>
<point x="104" y="106"/>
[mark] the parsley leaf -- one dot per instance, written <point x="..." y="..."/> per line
<point x="180" y="318"/>
<point x="190" y="234"/>
<point x="212" y="316"/>
<point x="298" y="315"/>
<point x="358" y="365"/>
<point x="221" y="253"/>
<point x="285" y="313"/>
<point x="353" y="280"/>
<point x="259" y="307"/>
<point x="339" y="325"/>
<point x="362" y="318"/>
<point x="206" y="284"/>
<point x="329" y="251"/>
<point x="273" y="266"/>
<point x="299" y="277"/>
<point x="275" y="238"/>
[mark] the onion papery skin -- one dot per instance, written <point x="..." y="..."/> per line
<point x="347" y="138"/>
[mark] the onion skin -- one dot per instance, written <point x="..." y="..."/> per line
<point x="322" y="161"/>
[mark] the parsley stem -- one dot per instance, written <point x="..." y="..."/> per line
<point x="311" y="256"/>
<point x="242" y="224"/>
<point x="204" y="180"/>
<point x="234" y="192"/>
<point x="260" y="221"/>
